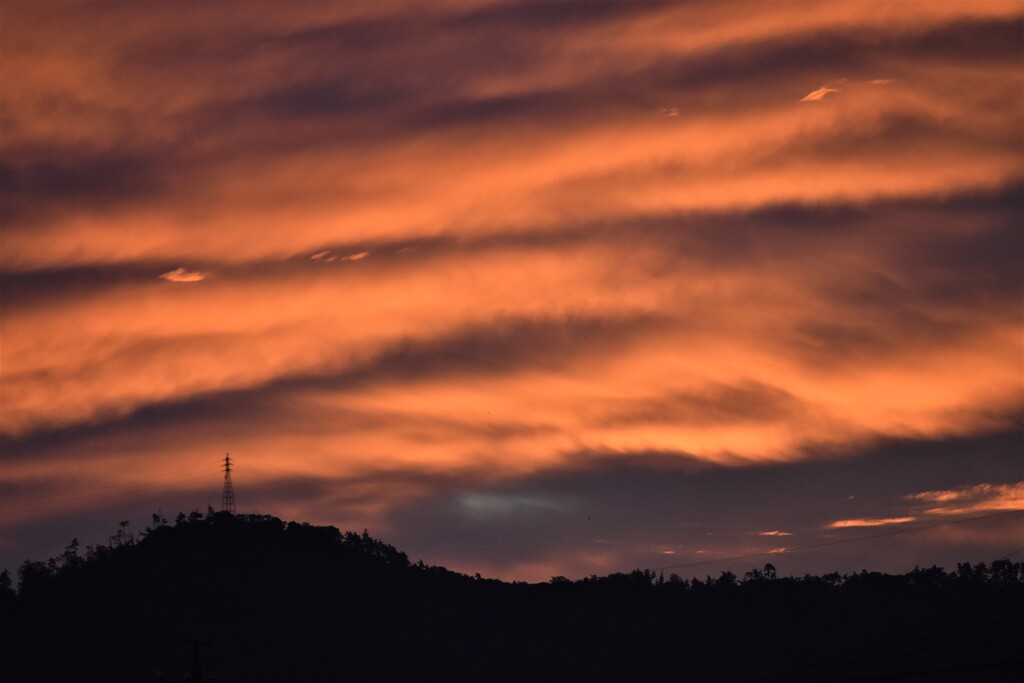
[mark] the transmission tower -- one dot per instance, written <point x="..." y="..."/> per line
<point x="227" y="503"/>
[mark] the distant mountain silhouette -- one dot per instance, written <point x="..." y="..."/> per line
<point x="262" y="600"/>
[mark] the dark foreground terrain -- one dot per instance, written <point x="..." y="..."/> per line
<point x="287" y="602"/>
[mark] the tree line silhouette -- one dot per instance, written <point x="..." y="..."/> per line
<point x="286" y="601"/>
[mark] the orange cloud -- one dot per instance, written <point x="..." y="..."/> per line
<point x="182" y="275"/>
<point x="819" y="94"/>
<point x="620" y="232"/>
<point x="325" y="256"/>
<point x="886" y="521"/>
<point x="972" y="499"/>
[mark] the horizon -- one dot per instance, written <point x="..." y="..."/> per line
<point x="524" y="289"/>
<point x="69" y="562"/>
<point x="795" y="561"/>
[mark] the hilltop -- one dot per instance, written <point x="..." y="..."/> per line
<point x="284" y="601"/>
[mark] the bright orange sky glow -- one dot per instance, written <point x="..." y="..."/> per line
<point x="449" y="271"/>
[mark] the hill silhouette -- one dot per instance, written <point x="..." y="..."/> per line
<point x="265" y="600"/>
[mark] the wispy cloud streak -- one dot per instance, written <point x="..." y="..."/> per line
<point x="972" y="499"/>
<point x="853" y="523"/>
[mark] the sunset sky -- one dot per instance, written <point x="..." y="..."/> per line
<point x="522" y="289"/>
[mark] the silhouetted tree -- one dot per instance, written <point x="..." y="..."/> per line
<point x="123" y="536"/>
<point x="7" y="593"/>
<point x="726" y="580"/>
<point x="32" y="575"/>
<point x="294" y="601"/>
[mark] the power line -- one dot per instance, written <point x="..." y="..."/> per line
<point x="97" y="494"/>
<point x="983" y="667"/>
<point x="919" y="639"/>
<point x="895" y="655"/>
<point x="869" y="537"/>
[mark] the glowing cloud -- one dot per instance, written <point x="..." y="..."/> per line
<point x="848" y="523"/>
<point x="970" y="499"/>
<point x="819" y="94"/>
<point x="774" y="533"/>
<point x="490" y="505"/>
<point x="182" y="275"/>
<point x="326" y="256"/>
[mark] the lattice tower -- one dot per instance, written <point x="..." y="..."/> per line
<point x="227" y="503"/>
